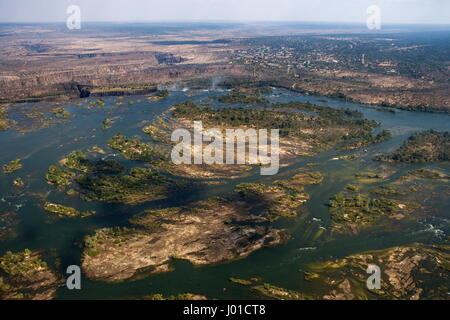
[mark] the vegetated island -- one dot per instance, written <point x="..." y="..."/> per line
<point x="352" y="212"/>
<point x="25" y="276"/>
<point x="12" y="166"/>
<point x="219" y="229"/>
<point x="63" y="211"/>
<point x="426" y="146"/>
<point x="305" y="129"/>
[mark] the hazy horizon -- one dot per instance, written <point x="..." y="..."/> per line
<point x="433" y="12"/>
<point x="174" y="21"/>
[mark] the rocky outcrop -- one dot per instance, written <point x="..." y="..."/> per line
<point x="206" y="233"/>
<point x="404" y="271"/>
<point x="24" y="275"/>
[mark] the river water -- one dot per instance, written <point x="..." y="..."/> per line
<point x="62" y="238"/>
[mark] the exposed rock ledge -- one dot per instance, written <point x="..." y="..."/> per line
<point x="208" y="232"/>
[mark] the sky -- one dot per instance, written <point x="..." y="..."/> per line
<point x="354" y="11"/>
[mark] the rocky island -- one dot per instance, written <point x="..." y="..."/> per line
<point x="24" y="275"/>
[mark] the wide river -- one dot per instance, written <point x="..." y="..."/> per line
<point x="62" y="238"/>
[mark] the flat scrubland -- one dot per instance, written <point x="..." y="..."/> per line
<point x="393" y="68"/>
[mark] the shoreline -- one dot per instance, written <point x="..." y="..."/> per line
<point x="137" y="90"/>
